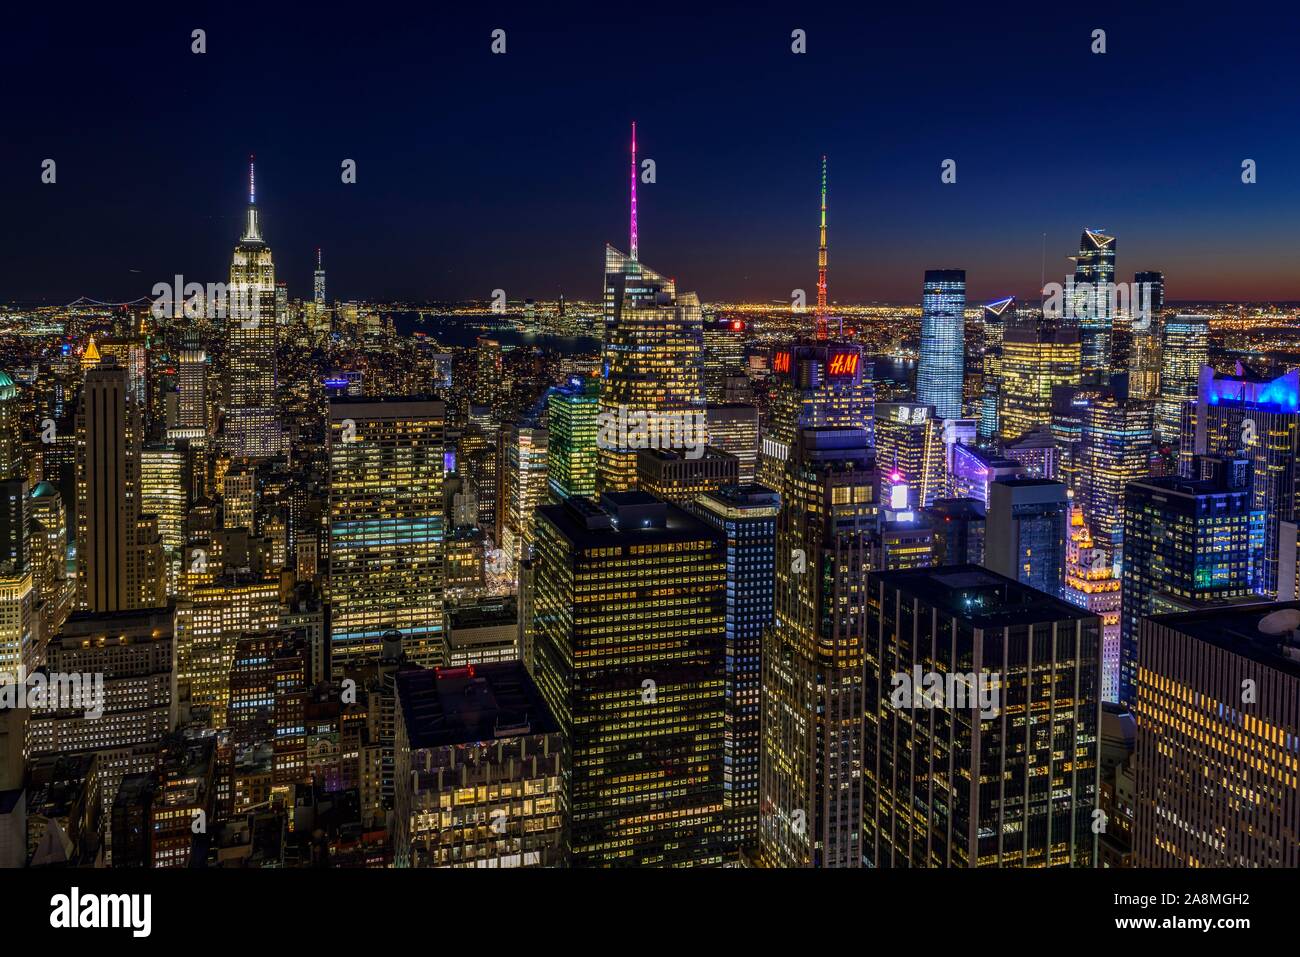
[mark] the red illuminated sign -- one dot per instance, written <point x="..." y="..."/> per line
<point x="781" y="362"/>
<point x="843" y="363"/>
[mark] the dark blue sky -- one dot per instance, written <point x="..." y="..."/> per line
<point x="478" y="171"/>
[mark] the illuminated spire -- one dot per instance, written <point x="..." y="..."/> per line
<point x="318" y="257"/>
<point x="252" y="232"/>
<point x="633" y="249"/>
<point x="822" y="331"/>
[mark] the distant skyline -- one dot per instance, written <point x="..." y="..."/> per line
<point x="478" y="171"/>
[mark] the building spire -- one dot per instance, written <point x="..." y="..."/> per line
<point x="632" y="251"/>
<point x="252" y="232"/>
<point x="822" y="330"/>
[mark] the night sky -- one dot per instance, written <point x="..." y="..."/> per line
<point x="478" y="171"/>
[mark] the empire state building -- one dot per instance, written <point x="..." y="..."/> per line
<point x="252" y="424"/>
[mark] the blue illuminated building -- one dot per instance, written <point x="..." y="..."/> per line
<point x="1194" y="541"/>
<point x="943" y="340"/>
<point x="746" y="515"/>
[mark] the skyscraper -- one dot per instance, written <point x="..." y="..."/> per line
<point x="939" y="374"/>
<point x="813" y="704"/>
<point x="252" y="414"/>
<point x="1092" y="582"/>
<point x="967" y="778"/>
<point x="318" y="283"/>
<point x="1094" y="280"/>
<point x="1148" y="327"/>
<point x="1217" y="705"/>
<point x="652" y="359"/>
<point x="1026" y="532"/>
<point x="1036" y="358"/>
<point x="1115" y="449"/>
<point x="571" y="447"/>
<point x="119" y="553"/>
<point x="1185" y="350"/>
<point x="994" y="326"/>
<point x="746" y="515"/>
<point x="385" y="527"/>
<point x="1193" y="539"/>
<point x="816" y="385"/>
<point x="524" y="486"/>
<point x="630" y="655"/>
<point x="1258" y="420"/>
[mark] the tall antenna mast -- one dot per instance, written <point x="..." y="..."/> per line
<point x="633" y="248"/>
<point x="822" y="331"/>
<point x="252" y="191"/>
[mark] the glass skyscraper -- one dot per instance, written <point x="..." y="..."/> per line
<point x="1094" y="277"/>
<point x="943" y="342"/>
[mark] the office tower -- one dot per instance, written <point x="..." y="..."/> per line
<point x="1092" y="582"/>
<point x="733" y="427"/>
<point x="318" y="282"/>
<point x="1217" y="705"/>
<point x="1197" y="540"/>
<point x="482" y="631"/>
<point x="130" y="653"/>
<point x="1092" y="297"/>
<point x="270" y="688"/>
<point x="494" y="383"/>
<point x="939" y="374"/>
<point x="1258" y="420"/>
<point x="385" y="527"/>
<point x="571" y="445"/>
<point x="1038" y="451"/>
<point x="119" y="554"/>
<point x="19" y="640"/>
<point x="973" y="471"/>
<point x="747" y="516"/>
<point x="1148" y="325"/>
<point x="651" y="358"/>
<point x="724" y="355"/>
<point x="19" y="637"/>
<point x="1036" y="358"/>
<point x="55" y="592"/>
<point x="679" y="477"/>
<point x="815" y="385"/>
<point x="192" y="383"/>
<point x="909" y="451"/>
<point x="905" y="539"/>
<point x="1185" y="350"/>
<point x="478" y="778"/>
<point x="1001" y="769"/>
<point x="524" y="481"/>
<point x="813" y="705"/>
<point x="1114" y="450"/>
<point x="994" y="326"/>
<point x="163" y="495"/>
<point x="1026" y="532"/>
<point x="630" y="654"/>
<point x="211" y="617"/>
<point x="186" y="792"/>
<point x="958" y="525"/>
<point x="252" y="421"/>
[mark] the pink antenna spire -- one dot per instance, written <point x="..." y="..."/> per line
<point x="633" y="250"/>
<point x="252" y="192"/>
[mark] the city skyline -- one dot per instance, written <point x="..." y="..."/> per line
<point x="493" y="188"/>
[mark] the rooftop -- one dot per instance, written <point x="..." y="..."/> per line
<point x="982" y="597"/>
<point x="449" y="706"/>
<point x="1237" y="629"/>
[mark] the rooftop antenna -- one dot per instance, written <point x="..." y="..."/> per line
<point x="633" y="246"/>
<point x="822" y="331"/>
